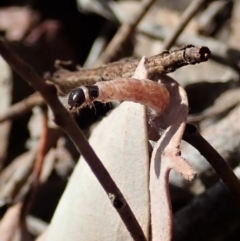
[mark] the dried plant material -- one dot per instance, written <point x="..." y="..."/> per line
<point x="163" y="63"/>
<point x="217" y="134"/>
<point x="220" y="51"/>
<point x="124" y="152"/>
<point x="166" y="156"/>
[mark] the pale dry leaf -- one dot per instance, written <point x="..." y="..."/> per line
<point x="120" y="142"/>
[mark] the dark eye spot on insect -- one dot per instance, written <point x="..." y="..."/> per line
<point x="76" y="98"/>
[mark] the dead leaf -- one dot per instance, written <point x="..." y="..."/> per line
<point x="166" y="156"/>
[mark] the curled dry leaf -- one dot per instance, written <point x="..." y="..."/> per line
<point x="166" y="156"/>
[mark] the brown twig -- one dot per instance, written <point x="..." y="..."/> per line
<point x="188" y="14"/>
<point x="123" y="34"/>
<point x="65" y="121"/>
<point x="22" y="107"/>
<point x="163" y="63"/>
<point x="193" y="137"/>
<point x="220" y="51"/>
<point x="224" y="127"/>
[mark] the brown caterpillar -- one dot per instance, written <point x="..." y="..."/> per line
<point x="146" y="92"/>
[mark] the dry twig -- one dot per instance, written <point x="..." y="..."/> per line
<point x="163" y="63"/>
<point x="221" y="52"/>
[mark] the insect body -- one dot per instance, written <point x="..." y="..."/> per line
<point x="151" y="94"/>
